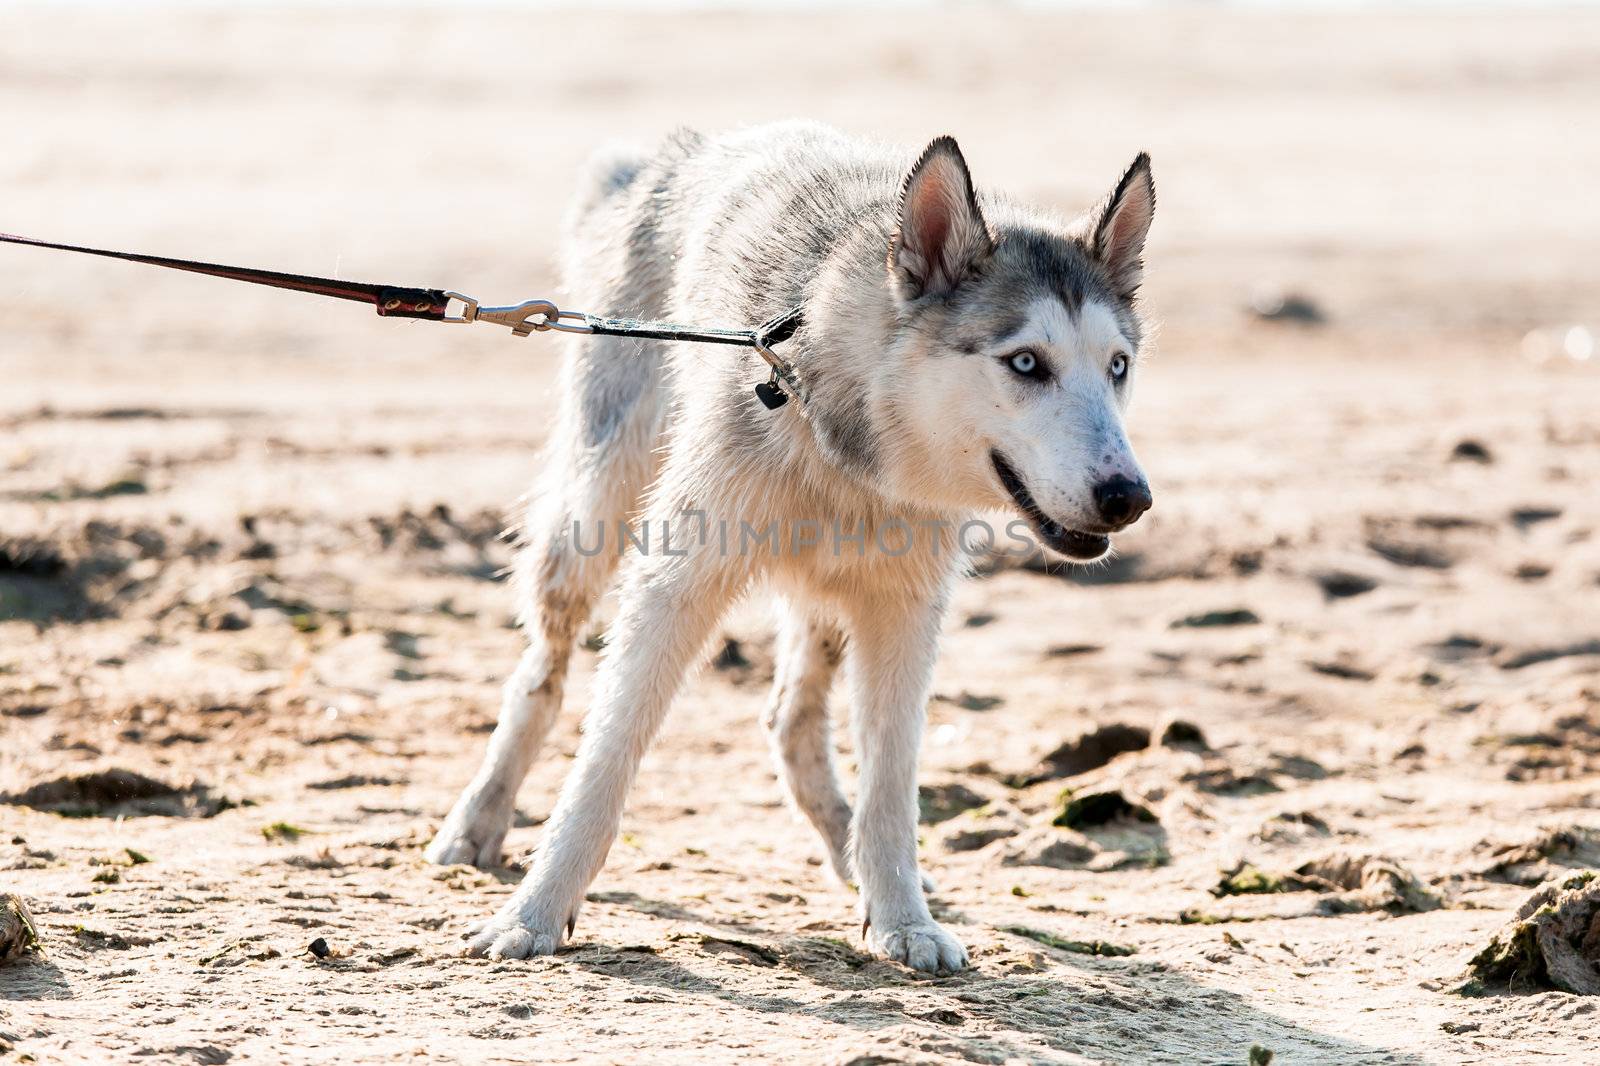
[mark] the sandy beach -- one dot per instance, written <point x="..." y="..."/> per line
<point x="1344" y="675"/>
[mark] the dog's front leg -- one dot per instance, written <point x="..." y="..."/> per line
<point x="893" y="649"/>
<point x="668" y="607"/>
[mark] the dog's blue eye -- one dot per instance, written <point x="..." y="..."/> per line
<point x="1025" y="363"/>
<point x="1119" y="367"/>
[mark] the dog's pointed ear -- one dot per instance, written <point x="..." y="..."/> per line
<point x="940" y="236"/>
<point x="1121" y="225"/>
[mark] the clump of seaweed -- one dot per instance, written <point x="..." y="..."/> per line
<point x="1545" y="856"/>
<point x="1246" y="879"/>
<point x="1552" y="943"/>
<point x="1355" y="882"/>
<point x="1368" y="883"/>
<point x="18" y="935"/>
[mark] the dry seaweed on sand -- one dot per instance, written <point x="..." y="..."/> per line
<point x="18" y="934"/>
<point x="1246" y="879"/>
<point x="1368" y="883"/>
<point x="1358" y="882"/>
<point x="283" y="831"/>
<point x="1552" y="943"/>
<point x="1544" y="857"/>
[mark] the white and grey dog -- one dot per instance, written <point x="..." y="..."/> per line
<point x="958" y="354"/>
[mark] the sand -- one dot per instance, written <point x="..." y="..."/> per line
<point x="249" y="551"/>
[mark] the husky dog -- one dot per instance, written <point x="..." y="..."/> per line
<point x="958" y="354"/>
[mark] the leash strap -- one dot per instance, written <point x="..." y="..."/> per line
<point x="390" y="301"/>
<point x="530" y="316"/>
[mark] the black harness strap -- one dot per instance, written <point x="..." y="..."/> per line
<point x="778" y="329"/>
<point x="773" y="331"/>
<point x="666" y="331"/>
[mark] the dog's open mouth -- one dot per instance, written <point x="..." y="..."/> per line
<point x="1072" y="543"/>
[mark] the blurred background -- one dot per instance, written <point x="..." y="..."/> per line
<point x="249" y="539"/>
<point x="1397" y="179"/>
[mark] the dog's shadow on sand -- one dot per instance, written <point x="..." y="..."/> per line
<point x="1117" y="1009"/>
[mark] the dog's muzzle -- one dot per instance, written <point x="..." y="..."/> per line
<point x="1073" y="543"/>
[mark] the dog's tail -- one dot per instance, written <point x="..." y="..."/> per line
<point x="615" y="169"/>
<point x="609" y="173"/>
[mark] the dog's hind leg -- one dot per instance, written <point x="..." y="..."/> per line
<point x="600" y="460"/>
<point x="598" y="463"/>
<point x="571" y="531"/>
<point x="668" y="608"/>
<point x="809" y="651"/>
<point x="565" y="591"/>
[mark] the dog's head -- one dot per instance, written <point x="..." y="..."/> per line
<point x="1016" y="344"/>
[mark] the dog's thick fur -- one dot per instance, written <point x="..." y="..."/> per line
<point x="959" y="354"/>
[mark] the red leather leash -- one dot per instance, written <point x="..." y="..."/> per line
<point x="391" y="301"/>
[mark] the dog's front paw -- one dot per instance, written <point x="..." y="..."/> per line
<point x="922" y="946"/>
<point x="454" y="846"/>
<point x="513" y="935"/>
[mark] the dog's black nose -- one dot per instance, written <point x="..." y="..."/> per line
<point x="1122" y="500"/>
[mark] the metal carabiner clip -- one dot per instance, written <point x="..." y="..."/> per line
<point x="529" y="316"/>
